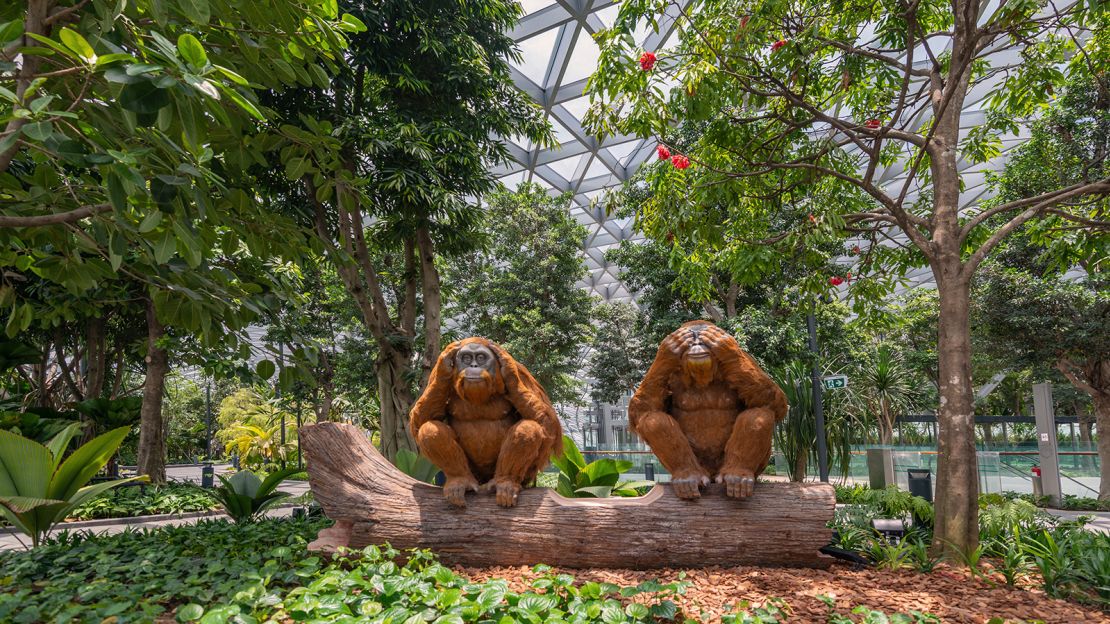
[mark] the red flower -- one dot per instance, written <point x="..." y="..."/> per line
<point x="647" y="61"/>
<point x="680" y="162"/>
<point x="835" y="281"/>
<point x="778" y="44"/>
<point x="848" y="276"/>
<point x="855" y="250"/>
<point x="663" y="152"/>
<point x="812" y="219"/>
<point x="744" y="21"/>
<point x="873" y="124"/>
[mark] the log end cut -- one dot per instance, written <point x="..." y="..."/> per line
<point x="372" y="502"/>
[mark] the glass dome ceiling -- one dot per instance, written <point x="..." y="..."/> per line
<point x="559" y="54"/>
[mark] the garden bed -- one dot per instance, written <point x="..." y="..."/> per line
<point x="215" y="571"/>
<point x="951" y="595"/>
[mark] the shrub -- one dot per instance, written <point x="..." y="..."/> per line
<point x="597" y="479"/>
<point x="245" y="497"/>
<point x="38" y="488"/>
<point x="170" y="498"/>
<point x="216" y="571"/>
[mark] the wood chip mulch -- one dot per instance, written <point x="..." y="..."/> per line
<point x="952" y="595"/>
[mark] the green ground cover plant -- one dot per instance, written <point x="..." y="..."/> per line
<point x="217" y="571"/>
<point x="126" y="502"/>
<point x="1019" y="543"/>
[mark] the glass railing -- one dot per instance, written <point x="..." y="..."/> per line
<point x="1002" y="468"/>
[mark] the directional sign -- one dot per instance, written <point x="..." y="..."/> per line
<point x="833" y="382"/>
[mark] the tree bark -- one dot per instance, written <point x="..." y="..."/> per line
<point x="394" y="391"/>
<point x="957" y="504"/>
<point x="152" y="431"/>
<point x="372" y="502"/>
<point x="96" y="357"/>
<point x="1102" y="421"/>
<point x="801" y="462"/>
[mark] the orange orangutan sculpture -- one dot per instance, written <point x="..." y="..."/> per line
<point x="707" y="409"/>
<point x="484" y="418"/>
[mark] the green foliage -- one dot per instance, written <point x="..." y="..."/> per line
<point x="136" y="124"/>
<point x="1015" y="537"/>
<point x="250" y="421"/>
<point x="39" y="424"/>
<point x="169" y="498"/>
<point x="621" y="352"/>
<point x="39" y="486"/>
<point x="416" y="466"/>
<point x="891" y="502"/>
<point x="111" y="413"/>
<point x="597" y="479"/>
<point x="245" y="497"/>
<point x="521" y="290"/>
<point x="216" y="571"/>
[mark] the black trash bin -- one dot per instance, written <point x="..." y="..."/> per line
<point x="921" y="483"/>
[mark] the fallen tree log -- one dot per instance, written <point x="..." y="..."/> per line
<point x="372" y="502"/>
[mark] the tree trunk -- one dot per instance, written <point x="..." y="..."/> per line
<point x="1085" y="422"/>
<point x="96" y="357"/>
<point x="1102" y="421"/>
<point x="372" y="502"/>
<point x="395" y="396"/>
<point x="801" y="462"/>
<point x="152" y="430"/>
<point x="433" y="303"/>
<point x="957" y="503"/>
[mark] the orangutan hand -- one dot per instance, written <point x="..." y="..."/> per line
<point x="720" y="344"/>
<point x="677" y="343"/>
<point x="738" y="483"/>
<point x="455" y="489"/>
<point x="687" y="484"/>
<point x="505" y="490"/>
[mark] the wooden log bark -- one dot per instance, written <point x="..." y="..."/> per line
<point x="372" y="502"/>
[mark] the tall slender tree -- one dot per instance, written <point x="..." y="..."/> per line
<point x="854" y="113"/>
<point x="389" y="161"/>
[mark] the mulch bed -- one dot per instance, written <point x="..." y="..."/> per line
<point x="952" y="595"/>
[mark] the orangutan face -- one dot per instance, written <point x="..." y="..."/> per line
<point x="476" y="373"/>
<point x="698" y="360"/>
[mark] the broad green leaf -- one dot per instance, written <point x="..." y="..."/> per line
<point x="189" y="613"/>
<point x="143" y="97"/>
<point x="58" y="444"/>
<point x="274" y="478"/>
<point x="598" y="491"/>
<point x="25" y="467"/>
<point x="192" y="51"/>
<point x="75" y="42"/>
<point x="197" y="11"/>
<point x="38" y="131"/>
<point x="265" y="369"/>
<point x="85" y="462"/>
<point x="150" y="221"/>
<point x="23" y="504"/>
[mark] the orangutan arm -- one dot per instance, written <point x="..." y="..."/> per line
<point x="528" y="397"/>
<point x="743" y="374"/>
<point x="432" y="404"/>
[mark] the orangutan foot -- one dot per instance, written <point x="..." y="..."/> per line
<point x="505" y="490"/>
<point x="739" y="483"/>
<point x="455" y="489"/>
<point x="687" y="484"/>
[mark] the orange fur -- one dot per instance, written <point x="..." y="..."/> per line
<point x="504" y="426"/>
<point x="707" y="417"/>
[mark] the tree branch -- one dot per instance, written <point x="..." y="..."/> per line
<point x="53" y="219"/>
